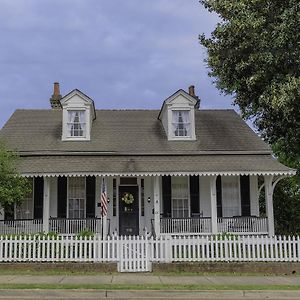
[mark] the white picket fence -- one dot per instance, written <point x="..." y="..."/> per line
<point x="137" y="253"/>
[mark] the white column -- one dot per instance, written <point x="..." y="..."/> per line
<point x="156" y="206"/>
<point x="213" y="204"/>
<point x="269" y="203"/>
<point x="46" y="204"/>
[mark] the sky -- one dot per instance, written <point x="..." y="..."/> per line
<point x="129" y="54"/>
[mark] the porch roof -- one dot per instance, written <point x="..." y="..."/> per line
<point x="150" y="165"/>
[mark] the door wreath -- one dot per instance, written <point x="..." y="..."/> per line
<point x="128" y="198"/>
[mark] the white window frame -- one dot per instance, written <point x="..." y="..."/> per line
<point x="186" y="125"/>
<point x="84" y="199"/>
<point x="235" y="208"/>
<point x="187" y="199"/>
<point x="82" y="124"/>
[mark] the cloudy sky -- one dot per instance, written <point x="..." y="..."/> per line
<point x="123" y="54"/>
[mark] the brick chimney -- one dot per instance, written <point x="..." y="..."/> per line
<point x="192" y="93"/>
<point x="55" y="99"/>
<point x="192" y="90"/>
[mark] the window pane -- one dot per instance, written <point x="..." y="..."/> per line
<point x="76" y="123"/>
<point x="76" y="197"/>
<point x="181" y="123"/>
<point x="180" y="197"/>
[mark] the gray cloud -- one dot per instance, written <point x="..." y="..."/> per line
<point x="123" y="54"/>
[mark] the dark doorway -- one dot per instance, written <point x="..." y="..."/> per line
<point x="128" y="210"/>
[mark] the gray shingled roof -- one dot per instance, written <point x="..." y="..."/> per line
<point x="200" y="164"/>
<point x="134" y="141"/>
<point x="131" y="131"/>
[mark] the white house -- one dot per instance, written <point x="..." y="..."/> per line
<point x="177" y="170"/>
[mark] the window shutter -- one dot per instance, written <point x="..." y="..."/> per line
<point x="9" y="213"/>
<point x="194" y="194"/>
<point x="90" y="196"/>
<point x="166" y="194"/>
<point x="38" y="197"/>
<point x="62" y="188"/>
<point x="219" y="197"/>
<point x="245" y="195"/>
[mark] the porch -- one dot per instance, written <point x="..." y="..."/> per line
<point x="202" y="226"/>
<point x="160" y="205"/>
<point x="168" y="226"/>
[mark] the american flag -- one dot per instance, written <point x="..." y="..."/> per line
<point x="104" y="199"/>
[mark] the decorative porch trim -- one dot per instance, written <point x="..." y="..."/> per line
<point x="137" y="174"/>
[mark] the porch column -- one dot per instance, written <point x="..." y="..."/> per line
<point x="213" y="204"/>
<point x="269" y="203"/>
<point x="46" y="204"/>
<point x="156" y="206"/>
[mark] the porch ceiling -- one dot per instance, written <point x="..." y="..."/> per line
<point x="75" y="165"/>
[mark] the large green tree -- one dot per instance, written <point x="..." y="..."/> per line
<point x="13" y="187"/>
<point x="254" y="55"/>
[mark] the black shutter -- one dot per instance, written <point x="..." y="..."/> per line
<point x="9" y="213"/>
<point x="194" y="194"/>
<point x="245" y="195"/>
<point x="219" y="197"/>
<point x="166" y="194"/>
<point x="90" y="196"/>
<point x="38" y="192"/>
<point x="62" y="188"/>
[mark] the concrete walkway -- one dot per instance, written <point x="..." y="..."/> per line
<point x="144" y="279"/>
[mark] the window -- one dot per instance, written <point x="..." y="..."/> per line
<point x="76" y="198"/>
<point x="25" y="210"/>
<point x="180" y="197"/>
<point x="76" y="123"/>
<point x="181" y="123"/>
<point x="230" y="196"/>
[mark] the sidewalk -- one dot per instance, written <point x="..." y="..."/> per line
<point x="148" y="279"/>
<point x="142" y="279"/>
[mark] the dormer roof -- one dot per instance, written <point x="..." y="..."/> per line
<point x="81" y="97"/>
<point x="190" y="99"/>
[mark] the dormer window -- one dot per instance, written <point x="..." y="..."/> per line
<point x="76" y="123"/>
<point x="78" y="115"/>
<point x="181" y="123"/>
<point x="177" y="115"/>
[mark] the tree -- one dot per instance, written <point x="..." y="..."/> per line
<point x="254" y="55"/>
<point x="13" y="187"/>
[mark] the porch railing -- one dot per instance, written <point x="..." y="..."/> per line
<point x="185" y="225"/>
<point x="21" y="226"/>
<point x="74" y="226"/>
<point x="243" y="225"/>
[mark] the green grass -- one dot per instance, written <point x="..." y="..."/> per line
<point x="194" y="287"/>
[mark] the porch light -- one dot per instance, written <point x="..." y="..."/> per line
<point x="108" y="199"/>
<point x="149" y="200"/>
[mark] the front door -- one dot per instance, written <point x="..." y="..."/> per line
<point x="128" y="210"/>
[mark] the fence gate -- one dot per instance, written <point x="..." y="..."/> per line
<point x="134" y="254"/>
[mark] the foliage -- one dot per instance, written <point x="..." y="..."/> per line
<point x="254" y="55"/>
<point x="85" y="233"/>
<point x="13" y="187"/>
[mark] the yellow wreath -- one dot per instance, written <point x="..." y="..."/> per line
<point x="128" y="198"/>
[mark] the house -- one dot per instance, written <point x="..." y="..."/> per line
<point x="178" y="170"/>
